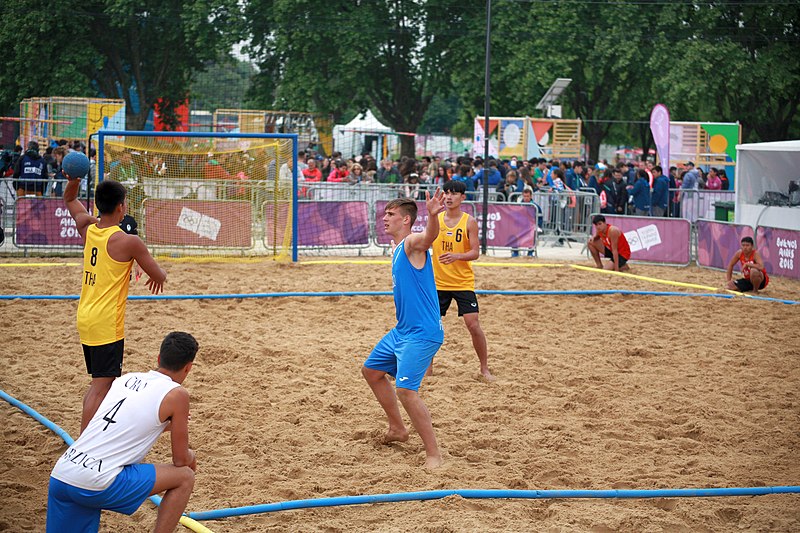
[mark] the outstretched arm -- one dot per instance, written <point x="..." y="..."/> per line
<point x="420" y="242"/>
<point x="76" y="208"/>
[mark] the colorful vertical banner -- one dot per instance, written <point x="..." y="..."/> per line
<point x="478" y="140"/>
<point x="512" y="137"/>
<point x="659" y="126"/>
<point x="722" y="138"/>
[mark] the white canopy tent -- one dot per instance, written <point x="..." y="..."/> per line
<point x="364" y="132"/>
<point x="763" y="171"/>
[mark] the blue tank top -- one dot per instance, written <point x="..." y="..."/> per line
<point x="415" y="299"/>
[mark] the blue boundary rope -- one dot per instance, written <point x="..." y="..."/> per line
<point x="436" y="494"/>
<point x="727" y="296"/>
<point x="490" y="494"/>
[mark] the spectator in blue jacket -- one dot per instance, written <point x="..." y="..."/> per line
<point x="660" y="198"/>
<point x="462" y="174"/>
<point x="491" y="173"/>
<point x="641" y="194"/>
<point x="30" y="173"/>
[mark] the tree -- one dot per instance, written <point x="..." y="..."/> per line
<point x="391" y="54"/>
<point x="142" y="51"/>
<point x="42" y="56"/>
<point x="533" y="44"/>
<point x="306" y="62"/>
<point x="155" y="47"/>
<point x="737" y="62"/>
<point x="223" y="85"/>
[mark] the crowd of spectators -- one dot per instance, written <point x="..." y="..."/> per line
<point x="630" y="188"/>
<point x="39" y="174"/>
<point x="639" y="188"/>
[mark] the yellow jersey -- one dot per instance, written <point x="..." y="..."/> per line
<point x="104" y="293"/>
<point x="457" y="276"/>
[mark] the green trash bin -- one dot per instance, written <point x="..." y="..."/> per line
<point x="724" y="211"/>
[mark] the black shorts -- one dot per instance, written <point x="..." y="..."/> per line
<point x="745" y="285"/>
<point x="104" y="361"/>
<point x="466" y="300"/>
<point x="610" y="255"/>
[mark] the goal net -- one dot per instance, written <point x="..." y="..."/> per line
<point x="206" y="195"/>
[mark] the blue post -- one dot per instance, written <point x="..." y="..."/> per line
<point x="294" y="199"/>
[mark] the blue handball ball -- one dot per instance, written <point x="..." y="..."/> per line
<point x="75" y="165"/>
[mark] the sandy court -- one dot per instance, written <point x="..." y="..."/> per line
<point x="593" y="392"/>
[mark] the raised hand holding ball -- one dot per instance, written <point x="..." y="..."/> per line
<point x="75" y="165"/>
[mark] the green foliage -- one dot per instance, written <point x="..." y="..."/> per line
<point x="106" y="47"/>
<point x="43" y="56"/>
<point x="303" y="55"/>
<point x="419" y="64"/>
<point x="388" y="54"/>
<point x="222" y="85"/>
<point x="441" y="115"/>
<point x="157" y="46"/>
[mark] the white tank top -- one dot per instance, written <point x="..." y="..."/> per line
<point x="122" y="431"/>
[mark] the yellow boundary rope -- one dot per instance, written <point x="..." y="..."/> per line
<point x="658" y="280"/>
<point x="194" y="525"/>
<point x="11" y="265"/>
<point x="479" y="264"/>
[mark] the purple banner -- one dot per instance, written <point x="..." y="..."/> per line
<point x="333" y="223"/>
<point x="717" y="242"/>
<point x="659" y="126"/>
<point x="45" y="222"/>
<point x="509" y="225"/>
<point x="656" y="240"/>
<point x="380" y="232"/>
<point x="778" y="249"/>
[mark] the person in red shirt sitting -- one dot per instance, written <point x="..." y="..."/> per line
<point x="755" y="275"/>
<point x="611" y="242"/>
<point x="339" y="174"/>
<point x="214" y="171"/>
<point x="310" y="174"/>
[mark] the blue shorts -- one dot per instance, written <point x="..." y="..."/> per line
<point x="404" y="359"/>
<point x="72" y="509"/>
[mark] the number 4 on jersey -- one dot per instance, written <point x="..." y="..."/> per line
<point x="109" y="416"/>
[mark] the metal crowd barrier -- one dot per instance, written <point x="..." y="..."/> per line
<point x="697" y="204"/>
<point x="563" y="217"/>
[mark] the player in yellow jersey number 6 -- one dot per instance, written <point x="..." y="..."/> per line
<point x="455" y="247"/>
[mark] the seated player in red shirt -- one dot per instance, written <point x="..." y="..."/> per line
<point x="611" y="242"/>
<point x="755" y="275"/>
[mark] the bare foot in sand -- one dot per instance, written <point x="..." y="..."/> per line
<point x="433" y="462"/>
<point x="395" y="435"/>
<point x="486" y="375"/>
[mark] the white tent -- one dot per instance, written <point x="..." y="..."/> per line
<point x="763" y="172"/>
<point x="364" y="132"/>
